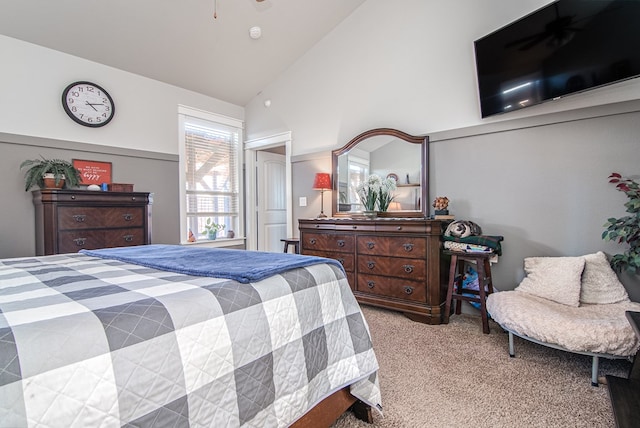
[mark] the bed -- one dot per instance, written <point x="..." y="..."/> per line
<point x="163" y="335"/>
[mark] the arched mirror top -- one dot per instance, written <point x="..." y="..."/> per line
<point x="385" y="152"/>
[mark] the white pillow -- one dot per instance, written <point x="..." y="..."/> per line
<point x="554" y="278"/>
<point x="600" y="284"/>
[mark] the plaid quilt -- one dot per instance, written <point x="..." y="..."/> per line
<point x="88" y="342"/>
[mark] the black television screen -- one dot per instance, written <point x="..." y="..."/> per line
<point x="565" y="47"/>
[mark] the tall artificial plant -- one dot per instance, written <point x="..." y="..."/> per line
<point x="626" y="229"/>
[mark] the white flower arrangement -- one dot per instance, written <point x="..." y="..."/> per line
<point x="376" y="192"/>
<point x="385" y="196"/>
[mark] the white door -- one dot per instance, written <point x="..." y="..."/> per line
<point x="271" y="198"/>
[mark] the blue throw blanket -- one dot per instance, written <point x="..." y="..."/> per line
<point x="239" y="265"/>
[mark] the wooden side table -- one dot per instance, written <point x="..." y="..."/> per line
<point x="457" y="292"/>
<point x="625" y="393"/>
<point x="291" y="241"/>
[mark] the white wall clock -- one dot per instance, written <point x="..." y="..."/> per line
<point x="88" y="104"/>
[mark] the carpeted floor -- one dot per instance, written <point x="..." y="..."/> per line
<point x="455" y="376"/>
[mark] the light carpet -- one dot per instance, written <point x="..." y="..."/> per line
<point x="454" y="376"/>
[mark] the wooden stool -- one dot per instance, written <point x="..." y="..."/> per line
<point x="483" y="267"/>
<point x="291" y="241"/>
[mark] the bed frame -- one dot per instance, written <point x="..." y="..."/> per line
<point x="331" y="408"/>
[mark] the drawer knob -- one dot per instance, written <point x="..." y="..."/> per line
<point x="408" y="290"/>
<point x="133" y="198"/>
<point x="399" y="228"/>
<point x="312" y="241"/>
<point x="128" y="238"/>
<point x="408" y="268"/>
<point x="370" y="245"/>
<point x="341" y="243"/>
<point x="80" y="241"/>
<point x="371" y="284"/>
<point x="127" y="217"/>
<point x="73" y="196"/>
<point x="341" y="261"/>
<point x="371" y="265"/>
<point x="408" y="247"/>
<point x="80" y="218"/>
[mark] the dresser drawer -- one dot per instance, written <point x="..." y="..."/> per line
<point x="70" y="218"/>
<point x="395" y="246"/>
<point x="392" y="287"/>
<point x="328" y="242"/>
<point x="74" y="241"/>
<point x="124" y="217"/>
<point x="414" y="269"/>
<point x="404" y="227"/>
<point x="346" y="260"/>
<point x="124" y="237"/>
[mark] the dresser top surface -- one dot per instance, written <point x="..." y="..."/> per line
<point x="364" y="219"/>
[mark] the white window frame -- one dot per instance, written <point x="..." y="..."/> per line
<point x="183" y="112"/>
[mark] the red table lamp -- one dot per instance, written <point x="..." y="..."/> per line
<point x="322" y="182"/>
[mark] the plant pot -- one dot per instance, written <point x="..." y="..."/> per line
<point x="212" y="235"/>
<point x="370" y="214"/>
<point x="50" y="181"/>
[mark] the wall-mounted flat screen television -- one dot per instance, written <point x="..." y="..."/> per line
<point x="565" y="47"/>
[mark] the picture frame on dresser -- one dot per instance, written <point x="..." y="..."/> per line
<point x="94" y="172"/>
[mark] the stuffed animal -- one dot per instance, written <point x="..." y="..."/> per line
<point x="462" y="229"/>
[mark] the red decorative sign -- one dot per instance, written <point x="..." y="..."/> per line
<point x="93" y="172"/>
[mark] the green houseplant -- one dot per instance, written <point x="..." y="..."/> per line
<point x="211" y="229"/>
<point x="61" y="173"/>
<point x="626" y="229"/>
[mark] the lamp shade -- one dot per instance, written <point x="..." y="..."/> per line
<point x="322" y="181"/>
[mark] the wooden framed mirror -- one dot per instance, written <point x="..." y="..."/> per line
<point x="385" y="152"/>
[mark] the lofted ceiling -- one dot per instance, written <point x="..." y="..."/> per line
<point x="178" y="41"/>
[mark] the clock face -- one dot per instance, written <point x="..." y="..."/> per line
<point x="88" y="104"/>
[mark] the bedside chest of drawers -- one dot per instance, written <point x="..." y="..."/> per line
<point x="70" y="220"/>
<point x="391" y="263"/>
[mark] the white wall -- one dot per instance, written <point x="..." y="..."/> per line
<point x="32" y="79"/>
<point x="406" y="64"/>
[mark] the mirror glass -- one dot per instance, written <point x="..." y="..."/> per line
<point x="386" y="153"/>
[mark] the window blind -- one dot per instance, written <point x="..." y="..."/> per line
<point x="212" y="174"/>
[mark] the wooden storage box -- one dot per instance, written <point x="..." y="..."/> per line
<point x="120" y="187"/>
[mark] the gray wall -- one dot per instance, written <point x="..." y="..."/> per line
<point x="148" y="171"/>
<point x="540" y="182"/>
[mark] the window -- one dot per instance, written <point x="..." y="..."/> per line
<point x="210" y="161"/>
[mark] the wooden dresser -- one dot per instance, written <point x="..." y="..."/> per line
<point x="70" y="220"/>
<point x="391" y="263"/>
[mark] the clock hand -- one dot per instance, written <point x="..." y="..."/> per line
<point x="93" y="104"/>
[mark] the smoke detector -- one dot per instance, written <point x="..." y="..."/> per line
<point x="255" y="32"/>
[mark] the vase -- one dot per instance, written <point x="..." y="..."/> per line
<point x="212" y="234"/>
<point x="50" y="181"/>
<point x="371" y="214"/>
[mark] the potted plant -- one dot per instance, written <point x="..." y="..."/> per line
<point x="50" y="173"/>
<point x="626" y="229"/>
<point x="211" y="229"/>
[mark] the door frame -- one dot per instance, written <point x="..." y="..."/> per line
<point x="250" y="147"/>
